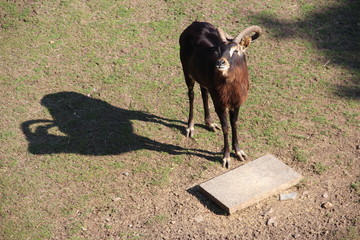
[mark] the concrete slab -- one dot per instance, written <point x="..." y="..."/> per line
<point x="250" y="183"/>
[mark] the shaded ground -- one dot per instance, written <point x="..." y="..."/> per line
<point x="94" y="108"/>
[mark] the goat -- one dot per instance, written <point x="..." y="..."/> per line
<point x="216" y="61"/>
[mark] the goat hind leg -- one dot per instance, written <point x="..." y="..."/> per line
<point x="190" y="127"/>
<point x="240" y="154"/>
<point x="208" y="119"/>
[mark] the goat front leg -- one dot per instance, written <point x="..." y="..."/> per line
<point x="240" y="154"/>
<point x="208" y="119"/>
<point x="225" y="129"/>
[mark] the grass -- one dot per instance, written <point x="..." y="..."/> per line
<point x="320" y="168"/>
<point x="157" y="219"/>
<point x="300" y="155"/>
<point x="122" y="60"/>
<point x="355" y="186"/>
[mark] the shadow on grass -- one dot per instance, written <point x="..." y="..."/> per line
<point x="90" y="126"/>
<point x="334" y="30"/>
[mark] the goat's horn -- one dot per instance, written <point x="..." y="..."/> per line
<point x="247" y="31"/>
<point x="224" y="36"/>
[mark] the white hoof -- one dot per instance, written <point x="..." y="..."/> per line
<point x="190" y="132"/>
<point x="226" y="162"/>
<point x="241" y="155"/>
<point x="214" y="127"/>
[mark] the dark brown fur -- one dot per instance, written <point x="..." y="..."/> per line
<point x="233" y="90"/>
<point x="205" y="57"/>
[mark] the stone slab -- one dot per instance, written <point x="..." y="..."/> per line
<point x="250" y="183"/>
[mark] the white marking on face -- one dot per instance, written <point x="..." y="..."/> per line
<point x="234" y="50"/>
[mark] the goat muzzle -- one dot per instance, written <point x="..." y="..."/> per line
<point x="222" y="64"/>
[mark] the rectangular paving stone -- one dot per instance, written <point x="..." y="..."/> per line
<point x="250" y="183"/>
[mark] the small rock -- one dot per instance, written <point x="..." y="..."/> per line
<point x="173" y="222"/>
<point x="268" y="212"/>
<point x="287" y="196"/>
<point x="199" y="219"/>
<point x="84" y="229"/>
<point x="327" y="205"/>
<point x="325" y="195"/>
<point x="305" y="194"/>
<point x="51" y="42"/>
<point x="271" y="222"/>
<point x="296" y="235"/>
<point x="107" y="219"/>
<point x="126" y="173"/>
<point x="116" y="199"/>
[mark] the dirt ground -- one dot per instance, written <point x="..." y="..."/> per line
<point x="94" y="110"/>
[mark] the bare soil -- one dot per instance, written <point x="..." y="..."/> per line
<point x="94" y="111"/>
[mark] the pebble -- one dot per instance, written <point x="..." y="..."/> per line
<point x="287" y="196"/>
<point x="199" y="219"/>
<point x="296" y="236"/>
<point x="126" y="173"/>
<point x="268" y="212"/>
<point x="272" y="222"/>
<point x="116" y="199"/>
<point x="325" y="195"/>
<point x="327" y="205"/>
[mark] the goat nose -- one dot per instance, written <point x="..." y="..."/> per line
<point x="220" y="62"/>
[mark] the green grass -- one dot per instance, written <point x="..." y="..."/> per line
<point x="355" y="186"/>
<point x="300" y="155"/>
<point x="320" y="168"/>
<point x="157" y="219"/>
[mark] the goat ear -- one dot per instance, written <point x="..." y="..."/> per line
<point x="245" y="42"/>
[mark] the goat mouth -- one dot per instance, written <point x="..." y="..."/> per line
<point x="222" y="67"/>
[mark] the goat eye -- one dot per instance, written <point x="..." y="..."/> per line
<point x="237" y="52"/>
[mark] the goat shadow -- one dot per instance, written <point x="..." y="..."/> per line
<point x="90" y="126"/>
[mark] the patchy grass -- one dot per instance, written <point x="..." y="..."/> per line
<point x="300" y="155"/>
<point x="93" y="89"/>
<point x="355" y="186"/>
<point x="158" y="219"/>
<point x="320" y="168"/>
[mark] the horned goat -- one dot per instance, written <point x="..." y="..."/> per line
<point x="216" y="61"/>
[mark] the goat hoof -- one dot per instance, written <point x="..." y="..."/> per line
<point x="190" y="132"/>
<point x="241" y="155"/>
<point x="226" y="162"/>
<point x="214" y="127"/>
